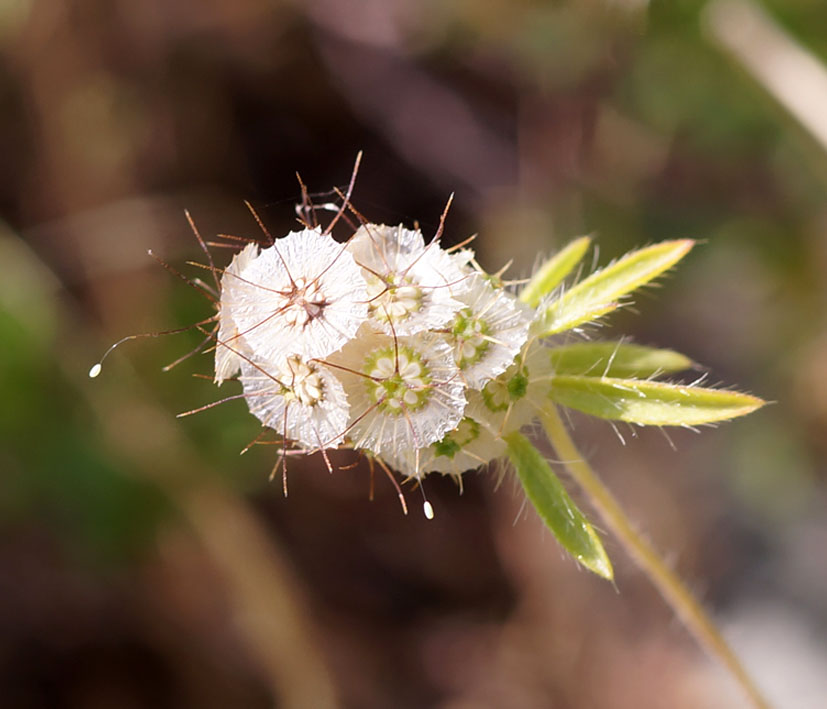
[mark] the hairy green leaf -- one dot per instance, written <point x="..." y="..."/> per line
<point x="616" y="359"/>
<point x="553" y="271"/>
<point x="555" y="507"/>
<point x="603" y="290"/>
<point x="650" y="403"/>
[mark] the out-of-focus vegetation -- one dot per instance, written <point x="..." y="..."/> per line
<point x="144" y="563"/>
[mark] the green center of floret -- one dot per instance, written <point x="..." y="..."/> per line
<point x="394" y="299"/>
<point x="465" y="433"/>
<point x="471" y="333"/>
<point x="499" y="393"/>
<point x="397" y="379"/>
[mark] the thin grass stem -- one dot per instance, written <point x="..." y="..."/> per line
<point x="674" y="591"/>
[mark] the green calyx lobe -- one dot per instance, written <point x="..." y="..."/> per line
<point x="398" y="380"/>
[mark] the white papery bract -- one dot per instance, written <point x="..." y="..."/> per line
<point x="411" y="287"/>
<point x="489" y="331"/>
<point x="405" y="392"/>
<point x="466" y="447"/>
<point x="229" y="342"/>
<point x="302" y="296"/>
<point x="303" y="401"/>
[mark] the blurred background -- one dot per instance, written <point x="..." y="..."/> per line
<point x="143" y="563"/>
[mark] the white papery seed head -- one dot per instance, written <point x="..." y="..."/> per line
<point x="303" y="401"/>
<point x="411" y="287"/>
<point x="302" y="296"/>
<point x="405" y="392"/>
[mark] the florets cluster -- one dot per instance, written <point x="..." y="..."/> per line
<point x="384" y="343"/>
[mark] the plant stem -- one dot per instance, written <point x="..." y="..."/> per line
<point x="673" y="590"/>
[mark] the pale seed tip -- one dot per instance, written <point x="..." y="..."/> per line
<point x="428" y="509"/>
<point x="95" y="370"/>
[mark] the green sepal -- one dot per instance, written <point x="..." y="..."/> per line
<point x="616" y="359"/>
<point x="549" y="497"/>
<point x="650" y="403"/>
<point x="602" y="292"/>
<point x="553" y="271"/>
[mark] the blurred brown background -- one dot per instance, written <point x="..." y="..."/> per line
<point x="143" y="563"/>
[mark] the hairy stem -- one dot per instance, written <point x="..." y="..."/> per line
<point x="673" y="590"/>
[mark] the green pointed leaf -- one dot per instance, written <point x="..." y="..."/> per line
<point x="616" y="359"/>
<point x="553" y="271"/>
<point x="603" y="290"/>
<point x="555" y="507"/>
<point x="650" y="403"/>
